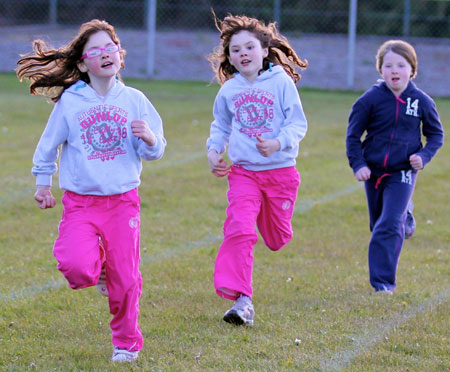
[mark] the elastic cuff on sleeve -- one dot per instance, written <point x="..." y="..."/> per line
<point x="282" y="141"/>
<point x="44" y="180"/>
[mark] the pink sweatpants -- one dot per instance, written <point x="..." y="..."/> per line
<point x="266" y="198"/>
<point x="115" y="219"/>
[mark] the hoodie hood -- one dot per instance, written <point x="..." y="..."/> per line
<point x="410" y="88"/>
<point x="267" y="74"/>
<point x="83" y="90"/>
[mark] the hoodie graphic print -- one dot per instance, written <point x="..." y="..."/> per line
<point x="254" y="111"/>
<point x="103" y="130"/>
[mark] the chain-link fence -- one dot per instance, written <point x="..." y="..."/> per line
<point x="169" y="39"/>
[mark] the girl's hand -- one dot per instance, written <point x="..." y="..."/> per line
<point x="416" y="161"/>
<point x="218" y="164"/>
<point x="140" y="129"/>
<point x="267" y="147"/>
<point x="363" y="174"/>
<point x="44" y="197"/>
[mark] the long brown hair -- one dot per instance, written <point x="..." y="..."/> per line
<point x="280" y="51"/>
<point x="51" y="71"/>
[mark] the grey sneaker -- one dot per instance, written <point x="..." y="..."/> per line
<point x="410" y="222"/>
<point x="123" y="355"/>
<point x="241" y="313"/>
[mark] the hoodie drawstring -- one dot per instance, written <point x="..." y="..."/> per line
<point x="79" y="86"/>
<point x="379" y="179"/>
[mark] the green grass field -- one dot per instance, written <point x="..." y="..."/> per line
<point x="316" y="290"/>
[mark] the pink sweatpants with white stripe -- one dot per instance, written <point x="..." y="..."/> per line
<point x="264" y="198"/>
<point x="115" y="219"/>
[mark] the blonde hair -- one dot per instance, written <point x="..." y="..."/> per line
<point x="280" y="51"/>
<point x="401" y="48"/>
<point x="52" y="71"/>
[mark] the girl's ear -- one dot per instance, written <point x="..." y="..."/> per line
<point x="82" y="67"/>
<point x="265" y="52"/>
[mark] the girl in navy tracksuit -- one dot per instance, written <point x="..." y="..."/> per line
<point x="391" y="154"/>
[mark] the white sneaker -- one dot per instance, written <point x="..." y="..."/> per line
<point x="241" y="313"/>
<point x="123" y="355"/>
<point x="101" y="284"/>
<point x="384" y="291"/>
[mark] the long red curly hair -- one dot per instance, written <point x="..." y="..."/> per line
<point x="280" y="51"/>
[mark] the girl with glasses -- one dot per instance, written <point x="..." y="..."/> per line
<point x="104" y="129"/>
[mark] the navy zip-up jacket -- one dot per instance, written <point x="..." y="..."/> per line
<point x="393" y="129"/>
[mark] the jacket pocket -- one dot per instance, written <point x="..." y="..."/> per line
<point x="375" y="150"/>
<point x="398" y="156"/>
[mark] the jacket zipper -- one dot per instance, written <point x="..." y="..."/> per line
<point x="398" y="100"/>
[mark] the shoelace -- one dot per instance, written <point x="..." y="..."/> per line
<point x="243" y="303"/>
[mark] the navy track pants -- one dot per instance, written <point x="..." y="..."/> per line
<point x="387" y="197"/>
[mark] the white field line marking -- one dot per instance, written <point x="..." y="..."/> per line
<point x="304" y="206"/>
<point x="367" y="340"/>
<point x="178" y="160"/>
<point x="30" y="291"/>
<point x="12" y="195"/>
<point x="181" y="249"/>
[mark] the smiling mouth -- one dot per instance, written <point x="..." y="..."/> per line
<point x="245" y="62"/>
<point x="106" y="64"/>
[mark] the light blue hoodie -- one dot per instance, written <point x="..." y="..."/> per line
<point x="269" y="107"/>
<point x="99" y="154"/>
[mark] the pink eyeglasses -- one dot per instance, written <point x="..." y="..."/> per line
<point x="97" y="52"/>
